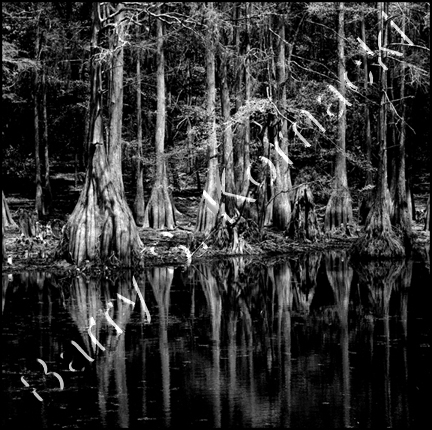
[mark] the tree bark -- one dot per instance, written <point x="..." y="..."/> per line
<point x="39" y="203"/>
<point x="265" y="190"/>
<point x="159" y="213"/>
<point x="101" y="229"/>
<point x="47" y="181"/>
<point x="229" y="202"/>
<point x="392" y="140"/>
<point x="367" y="196"/>
<point x="206" y="218"/>
<point x="401" y="211"/>
<point x="378" y="239"/>
<point x="339" y="207"/>
<point x="139" y="204"/>
<point x="281" y="202"/>
<point x="115" y="107"/>
<point x="246" y="123"/>
<point x="239" y="169"/>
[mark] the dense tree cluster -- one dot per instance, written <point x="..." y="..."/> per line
<point x="257" y="100"/>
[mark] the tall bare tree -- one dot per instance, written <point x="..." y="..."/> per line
<point x="401" y="211"/>
<point x="378" y="239"/>
<point x="39" y="201"/>
<point x="281" y="202"/>
<point x="101" y="227"/>
<point x="247" y="97"/>
<point x="367" y="196"/>
<point x="207" y="218"/>
<point x="139" y="204"/>
<point x="159" y="211"/>
<point x="228" y="156"/>
<point x="339" y="207"/>
<point x="47" y="179"/>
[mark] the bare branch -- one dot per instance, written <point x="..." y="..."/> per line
<point x="409" y="45"/>
<point x="396" y="112"/>
<point x="328" y="28"/>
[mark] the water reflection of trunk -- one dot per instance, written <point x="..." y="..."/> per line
<point x="232" y="290"/>
<point x="5" y="283"/>
<point x="380" y="278"/>
<point x="340" y="274"/>
<point x="84" y="303"/>
<point x="160" y="279"/>
<point x="246" y="289"/>
<point x="306" y="270"/>
<point x="140" y="278"/>
<point x="403" y="284"/>
<point x="284" y="290"/>
<point x="214" y="302"/>
<point x="37" y="280"/>
<point x="232" y="362"/>
<point x="89" y="298"/>
<point x="268" y="314"/>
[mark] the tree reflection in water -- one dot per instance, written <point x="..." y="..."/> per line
<point x="305" y="272"/>
<point x="89" y="297"/>
<point x="315" y="342"/>
<point x="160" y="279"/>
<point x="340" y="274"/>
<point x="214" y="302"/>
<point x="379" y="279"/>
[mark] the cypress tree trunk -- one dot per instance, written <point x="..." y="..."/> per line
<point x="265" y="190"/>
<point x="101" y="228"/>
<point x="401" y="211"/>
<point x="39" y="203"/>
<point x="378" y="239"/>
<point x="191" y="158"/>
<point x="47" y="190"/>
<point x="392" y="140"/>
<point x="206" y="218"/>
<point x="339" y="208"/>
<point x="239" y="169"/>
<point x="367" y="196"/>
<point x="159" y="213"/>
<point x="229" y="202"/>
<point x="139" y="206"/>
<point x="281" y="202"/>
<point x="246" y="124"/>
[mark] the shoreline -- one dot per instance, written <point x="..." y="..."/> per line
<point x="164" y="248"/>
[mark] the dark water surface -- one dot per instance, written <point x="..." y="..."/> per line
<point x="314" y="342"/>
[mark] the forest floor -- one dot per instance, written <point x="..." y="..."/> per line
<point x="168" y="247"/>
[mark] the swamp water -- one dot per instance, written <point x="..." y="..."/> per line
<point x="312" y="342"/>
